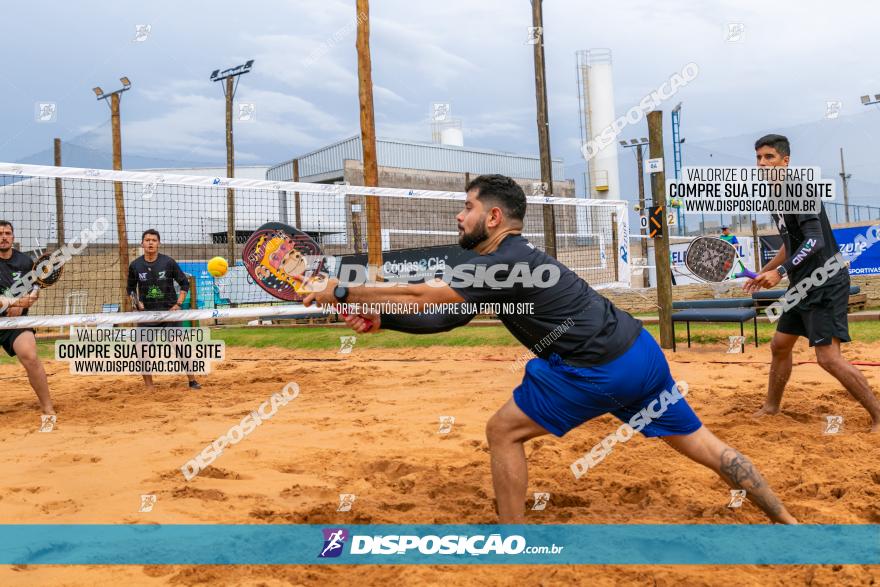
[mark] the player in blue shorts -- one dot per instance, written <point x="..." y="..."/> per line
<point x="592" y="358"/>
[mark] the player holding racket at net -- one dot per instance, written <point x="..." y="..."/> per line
<point x="821" y="316"/>
<point x="604" y="362"/>
<point x="151" y="279"/>
<point x="21" y="342"/>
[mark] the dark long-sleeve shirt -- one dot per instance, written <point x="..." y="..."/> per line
<point x="809" y="243"/>
<point x="555" y="312"/>
<point x="154" y="282"/>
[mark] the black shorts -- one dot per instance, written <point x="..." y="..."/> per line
<point x="820" y="317"/>
<point x="7" y="338"/>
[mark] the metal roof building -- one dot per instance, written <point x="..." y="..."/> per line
<point x="327" y="163"/>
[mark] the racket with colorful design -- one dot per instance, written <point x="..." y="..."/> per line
<point x="276" y="252"/>
<point x="712" y="259"/>
<point x="46" y="272"/>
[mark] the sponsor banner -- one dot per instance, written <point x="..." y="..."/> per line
<point x="770" y="245"/>
<point x="416" y="263"/>
<point x="865" y="259"/>
<point x="211" y="544"/>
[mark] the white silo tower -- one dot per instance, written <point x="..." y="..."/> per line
<point x="596" y="92"/>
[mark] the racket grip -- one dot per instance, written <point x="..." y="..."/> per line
<point x="746" y="273"/>
<point x="369" y="322"/>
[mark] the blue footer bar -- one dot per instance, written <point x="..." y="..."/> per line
<point x="277" y="544"/>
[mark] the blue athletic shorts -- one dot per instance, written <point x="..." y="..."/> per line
<point x="560" y="397"/>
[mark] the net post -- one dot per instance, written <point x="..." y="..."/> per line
<point x="661" y="244"/>
<point x="230" y="172"/>
<point x="368" y="134"/>
<point x="59" y="197"/>
<point x="544" y="130"/>
<point x="121" y="230"/>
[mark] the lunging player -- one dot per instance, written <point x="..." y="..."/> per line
<point x="602" y="361"/>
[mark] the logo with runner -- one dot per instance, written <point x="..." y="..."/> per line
<point x="736" y="498"/>
<point x="334" y="540"/>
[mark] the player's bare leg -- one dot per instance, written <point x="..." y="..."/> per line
<point x="148" y="382"/>
<point x="25" y="347"/>
<point x="735" y="468"/>
<point x="506" y="432"/>
<point x="780" y="370"/>
<point x="831" y="359"/>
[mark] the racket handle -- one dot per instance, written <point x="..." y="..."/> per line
<point x="746" y="273"/>
<point x="369" y="322"/>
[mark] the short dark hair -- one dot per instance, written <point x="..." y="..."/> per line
<point x="777" y="142"/>
<point x="501" y="191"/>
<point x="152" y="231"/>
<point x="7" y="223"/>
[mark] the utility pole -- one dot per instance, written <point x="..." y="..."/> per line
<point x="121" y="231"/>
<point x="637" y="144"/>
<point x="368" y="135"/>
<point x="661" y="244"/>
<point x="543" y="128"/>
<point x="230" y="76"/>
<point x="844" y="176"/>
<point x="59" y="198"/>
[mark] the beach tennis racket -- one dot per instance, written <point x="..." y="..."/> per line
<point x="712" y="259"/>
<point x="46" y="275"/>
<point x="276" y="252"/>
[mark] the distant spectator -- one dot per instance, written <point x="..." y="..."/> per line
<point x="726" y="236"/>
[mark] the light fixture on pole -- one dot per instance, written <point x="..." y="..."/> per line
<point x="113" y="100"/>
<point x="230" y="76"/>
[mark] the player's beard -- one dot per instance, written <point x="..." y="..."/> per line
<point x="469" y="240"/>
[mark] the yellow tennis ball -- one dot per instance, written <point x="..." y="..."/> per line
<point x="218" y="266"/>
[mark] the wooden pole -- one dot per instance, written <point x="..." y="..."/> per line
<point x="59" y="198"/>
<point x="543" y="129"/>
<point x="368" y="134"/>
<point x="121" y="231"/>
<point x="661" y="244"/>
<point x="230" y="172"/>
<point x="296" y="206"/>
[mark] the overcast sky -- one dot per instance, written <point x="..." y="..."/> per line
<point x="793" y="57"/>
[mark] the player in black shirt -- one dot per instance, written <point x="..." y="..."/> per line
<point x="821" y="316"/>
<point x="592" y="358"/>
<point x="151" y="279"/>
<point x="17" y="341"/>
